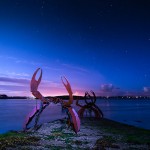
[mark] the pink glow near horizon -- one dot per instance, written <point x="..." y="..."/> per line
<point x="12" y="86"/>
<point x="49" y="90"/>
<point x="22" y="88"/>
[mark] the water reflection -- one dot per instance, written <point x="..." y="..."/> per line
<point x="134" y="112"/>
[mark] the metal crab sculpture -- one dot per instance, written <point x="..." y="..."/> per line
<point x="90" y="106"/>
<point x="72" y="120"/>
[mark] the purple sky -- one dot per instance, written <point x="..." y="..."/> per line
<point x="102" y="46"/>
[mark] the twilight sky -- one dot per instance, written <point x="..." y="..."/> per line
<point x="99" y="45"/>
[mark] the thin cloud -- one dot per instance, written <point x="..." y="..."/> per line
<point x="9" y="76"/>
<point x="29" y="62"/>
<point x="146" y="89"/>
<point x="23" y="81"/>
<point x="47" y="84"/>
<point x="17" y="74"/>
<point x="107" y="87"/>
<point x="11" y="83"/>
<point x="14" y="80"/>
<point x="110" y="90"/>
<point x="8" y="57"/>
<point x="22" y="61"/>
<point x="52" y="68"/>
<point x="75" y="68"/>
<point x="4" y="90"/>
<point x="14" y="87"/>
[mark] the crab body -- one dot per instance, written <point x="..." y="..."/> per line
<point x="89" y="106"/>
<point x="72" y="115"/>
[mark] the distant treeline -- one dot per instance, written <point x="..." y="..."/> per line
<point x="123" y="97"/>
<point x="66" y="97"/>
<point x="104" y="97"/>
<point x="4" y="96"/>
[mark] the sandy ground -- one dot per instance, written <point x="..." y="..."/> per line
<point x="93" y="135"/>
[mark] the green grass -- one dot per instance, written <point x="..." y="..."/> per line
<point x="11" y="134"/>
<point x="113" y="133"/>
<point x="57" y="133"/>
<point x="68" y="147"/>
<point x="66" y="137"/>
<point x="106" y="141"/>
<point x="12" y="139"/>
<point x="129" y="134"/>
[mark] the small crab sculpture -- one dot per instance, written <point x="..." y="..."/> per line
<point x="72" y="120"/>
<point x="89" y="106"/>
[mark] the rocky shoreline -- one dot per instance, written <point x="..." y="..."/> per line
<point x="94" y="134"/>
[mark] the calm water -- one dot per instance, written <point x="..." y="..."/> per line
<point x="134" y="112"/>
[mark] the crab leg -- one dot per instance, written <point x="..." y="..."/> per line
<point x="43" y="106"/>
<point x="31" y="116"/>
<point x="99" y="112"/>
<point x="37" y="110"/>
<point x="77" y="103"/>
<point x="72" y="115"/>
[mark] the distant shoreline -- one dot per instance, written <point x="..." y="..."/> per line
<point x="65" y="97"/>
<point x="15" y="97"/>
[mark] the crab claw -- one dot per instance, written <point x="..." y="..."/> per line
<point x="67" y="85"/>
<point x="89" y="97"/>
<point x="68" y="88"/>
<point x="35" y="83"/>
<point x="34" y="86"/>
<point x="94" y="97"/>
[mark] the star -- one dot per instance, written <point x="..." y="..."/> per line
<point x="126" y="51"/>
<point x="90" y="27"/>
<point x="145" y="75"/>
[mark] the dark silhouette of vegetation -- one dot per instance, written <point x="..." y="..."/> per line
<point x="4" y="96"/>
<point x="66" y="97"/>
